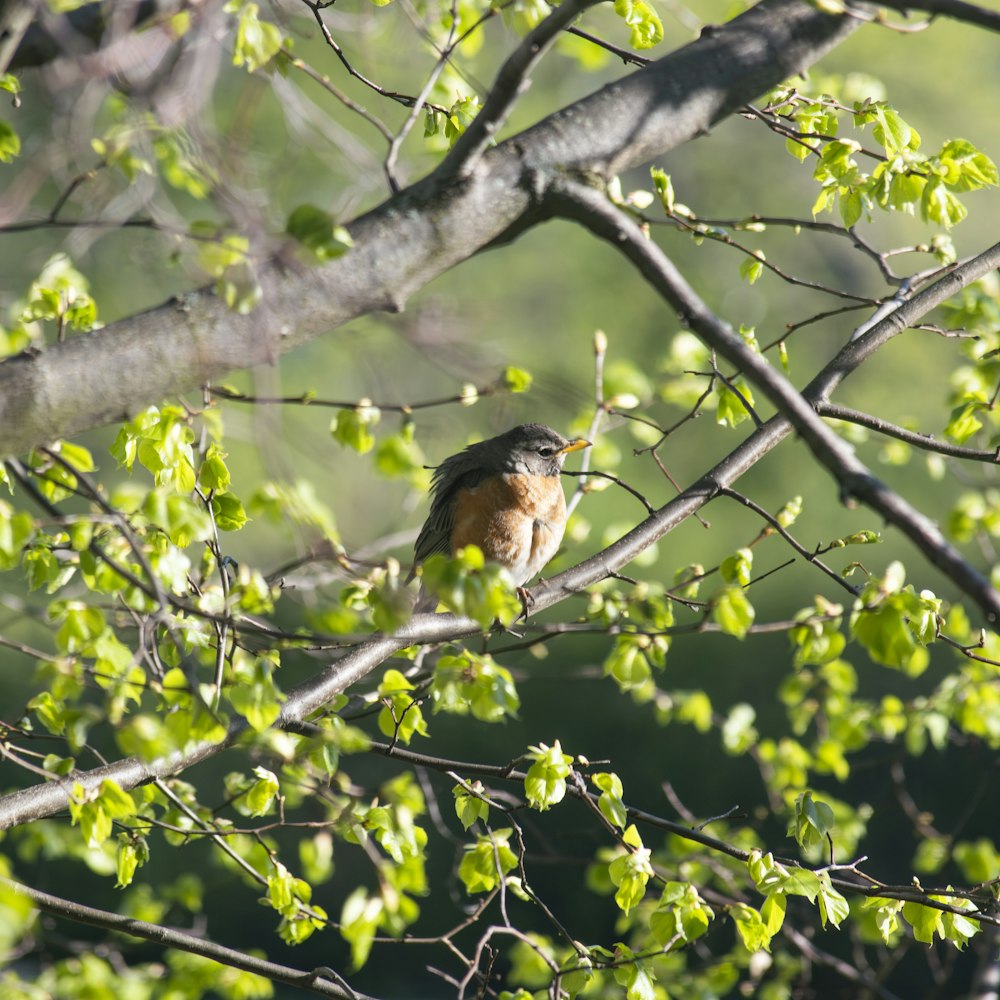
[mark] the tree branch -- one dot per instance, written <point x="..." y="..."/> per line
<point x="924" y="441"/>
<point x="15" y="19"/>
<point x="46" y="799"/>
<point x="511" y="82"/>
<point x="957" y="10"/>
<point x="314" y="981"/>
<point x="594" y="210"/>
<point x="411" y="238"/>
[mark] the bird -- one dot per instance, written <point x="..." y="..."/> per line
<point x="504" y="495"/>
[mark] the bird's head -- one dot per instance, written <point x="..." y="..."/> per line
<point x="535" y="449"/>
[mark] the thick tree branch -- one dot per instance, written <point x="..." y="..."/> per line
<point x="411" y="238"/>
<point x="316" y="981"/>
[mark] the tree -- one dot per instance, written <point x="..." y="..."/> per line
<point x="280" y="726"/>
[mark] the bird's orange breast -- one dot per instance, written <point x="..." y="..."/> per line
<point x="517" y="521"/>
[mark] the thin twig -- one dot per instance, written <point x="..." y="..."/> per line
<point x="924" y="441"/>
<point x="510" y="83"/>
<point x="856" y="481"/>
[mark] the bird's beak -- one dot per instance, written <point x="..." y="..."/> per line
<point x="576" y="445"/>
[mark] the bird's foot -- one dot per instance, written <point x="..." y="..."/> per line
<point x="526" y="601"/>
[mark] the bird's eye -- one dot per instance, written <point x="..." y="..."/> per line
<point x="546" y="451"/>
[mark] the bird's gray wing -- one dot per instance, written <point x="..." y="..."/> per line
<point x="454" y="474"/>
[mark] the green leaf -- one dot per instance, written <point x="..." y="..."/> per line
<point x="262" y="792"/>
<point x="938" y="204"/>
<point x="626" y="384"/>
<point x="460" y="116"/>
<point x="833" y="908"/>
<point x="851" y="208"/>
<point x="695" y="707"/>
<point x="257" y="41"/>
<point x="736" y="568"/>
<point x="214" y="474"/>
<point x="732" y="410"/>
<point x="886" y="916"/>
<point x="400" y="456"/>
<point x="865" y="537"/>
<point x="95" y="811"/>
<point x="484" y="863"/>
<point x="317" y="231"/>
<point x="162" y="441"/>
<point x="891" y="131"/>
<point x="772" y="912"/>
<point x="680" y="916"/>
<point x="228" y="512"/>
<point x="817" y="637"/>
<point x="610" y="800"/>
<point x="958" y="928"/>
<point x="433" y="122"/>
<point x="635" y="975"/>
<point x="771" y="877"/>
<point x="894" y="623"/>
<point x="979" y="859"/>
<point x="963" y="422"/>
<point x="471" y="586"/>
<point x="646" y="26"/>
<point x="80" y="625"/>
<point x="42" y="568"/>
<point x="219" y="253"/>
<point x="132" y="853"/>
<point x="664" y="188"/>
<point x="295" y="502"/>
<point x="10" y="142"/>
<point x="545" y="782"/>
<point x="291" y="897"/>
<point x="738" y="732"/>
<point x="115" y="800"/>
<point x="17" y="529"/>
<point x="751" y="268"/>
<point x="966" y="168"/>
<point x="352" y="428"/>
<point x="400" y="717"/>
<point x="471" y="807"/>
<point x="516" y="379"/>
<point x="252" y="691"/>
<point x="628" y="664"/>
<point x="812" y="822"/>
<point x="631" y="872"/>
<point x="184" y="170"/>
<point x="468" y="682"/>
<point x="184" y="520"/>
<point x="733" y="612"/>
<point x="751" y="927"/>
<point x="60" y="292"/>
<point x="925" y="921"/>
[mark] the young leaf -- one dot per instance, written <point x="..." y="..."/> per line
<point x="545" y="782"/>
<point x="610" y="800"/>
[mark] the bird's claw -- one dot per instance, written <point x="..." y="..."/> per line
<point x="526" y="601"/>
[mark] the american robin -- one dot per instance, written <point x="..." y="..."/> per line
<point x="503" y="495"/>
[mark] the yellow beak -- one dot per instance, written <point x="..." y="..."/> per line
<point x="576" y="445"/>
